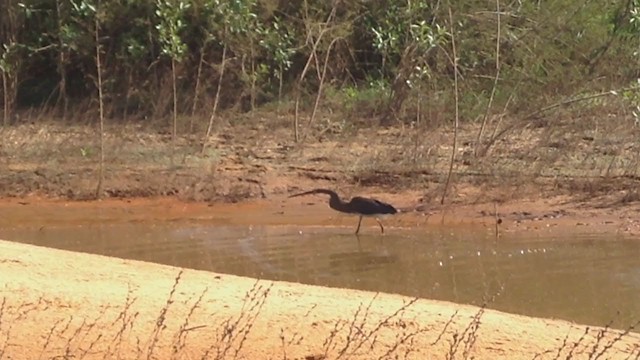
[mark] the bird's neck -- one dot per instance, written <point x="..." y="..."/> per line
<point x="337" y="204"/>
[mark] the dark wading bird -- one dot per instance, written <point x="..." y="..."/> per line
<point x="358" y="205"/>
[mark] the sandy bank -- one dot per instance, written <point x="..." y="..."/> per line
<point x="63" y="304"/>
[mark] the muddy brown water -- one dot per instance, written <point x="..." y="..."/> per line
<point x="586" y="278"/>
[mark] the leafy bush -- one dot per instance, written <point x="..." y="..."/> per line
<point x="386" y="52"/>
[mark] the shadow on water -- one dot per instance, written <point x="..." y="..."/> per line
<point x="591" y="279"/>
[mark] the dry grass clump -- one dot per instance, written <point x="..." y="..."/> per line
<point x="181" y="330"/>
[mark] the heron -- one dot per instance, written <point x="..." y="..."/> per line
<point x="361" y="206"/>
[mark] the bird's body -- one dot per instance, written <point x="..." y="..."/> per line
<point x="358" y="205"/>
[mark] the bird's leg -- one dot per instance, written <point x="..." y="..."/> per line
<point x="359" y="222"/>
<point x="381" y="227"/>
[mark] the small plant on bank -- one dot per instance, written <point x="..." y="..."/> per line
<point x="405" y="41"/>
<point x="171" y="22"/>
<point x="278" y="40"/>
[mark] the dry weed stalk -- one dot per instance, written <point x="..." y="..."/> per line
<point x="549" y="351"/>
<point x="310" y="310"/>
<point x="235" y="331"/>
<point x="467" y="338"/>
<point x="357" y="336"/>
<point x="26" y="308"/>
<point x="329" y="343"/>
<point x="596" y="350"/>
<point x="23" y="310"/>
<point x="162" y="317"/>
<point x="387" y="321"/>
<point x="469" y="335"/>
<point x="180" y="338"/>
<point x="282" y="343"/>
<point x="446" y="326"/>
<point x="634" y="354"/>
<point x="575" y="345"/>
<point x="138" y="348"/>
<point x="89" y="330"/>
<point x="91" y="345"/>
<point x="67" y="348"/>
<point x="73" y="345"/>
<point x="5" y="342"/>
<point x="127" y="320"/>
<point x="403" y="339"/>
<point x="356" y="327"/>
<point x="48" y="338"/>
<point x="595" y="354"/>
<point x="296" y="339"/>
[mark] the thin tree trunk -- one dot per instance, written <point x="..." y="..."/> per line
<point x="296" y="134"/>
<point x="455" y="126"/>
<point x="216" y="99"/>
<point x="399" y="87"/>
<point x="418" y="129"/>
<point x="100" y="107"/>
<point x="280" y="83"/>
<point x="5" y="101"/>
<point x="495" y="85"/>
<point x="321" y="85"/>
<point x="299" y="86"/>
<point x="10" y="73"/>
<point x="127" y="96"/>
<point x="13" y="93"/>
<point x="62" y="69"/>
<point x="278" y="108"/>
<point x="174" y="129"/>
<point x="253" y="79"/>
<point x="196" y="90"/>
<point x="311" y="57"/>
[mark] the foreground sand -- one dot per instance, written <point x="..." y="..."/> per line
<point x="69" y="305"/>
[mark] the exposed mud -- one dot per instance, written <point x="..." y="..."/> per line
<point x="556" y="214"/>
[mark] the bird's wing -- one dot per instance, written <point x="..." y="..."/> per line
<point x="368" y="206"/>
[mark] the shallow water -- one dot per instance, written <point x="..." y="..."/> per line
<point x="591" y="279"/>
